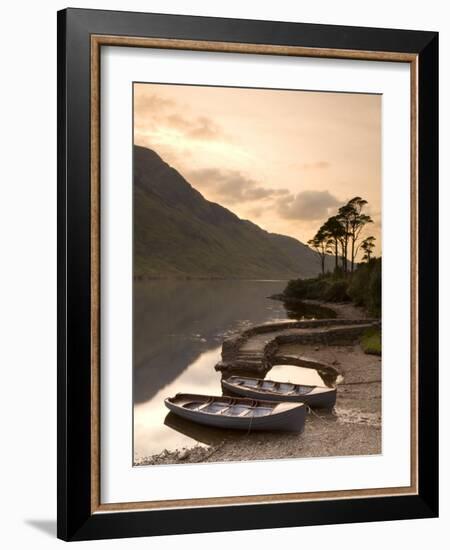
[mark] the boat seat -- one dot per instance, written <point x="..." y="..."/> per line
<point x="248" y="383"/>
<point x="285" y="387"/>
<point x="237" y="410"/>
<point x="194" y="405"/>
<point x="215" y="407"/>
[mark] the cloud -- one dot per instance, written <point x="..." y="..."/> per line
<point x="256" y="212"/>
<point x="154" y="112"/>
<point x="200" y="127"/>
<point x="232" y="186"/>
<point x="149" y="103"/>
<point x="307" y="205"/>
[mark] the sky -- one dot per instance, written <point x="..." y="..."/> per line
<point x="284" y="159"/>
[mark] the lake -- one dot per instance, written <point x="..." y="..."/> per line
<point x="178" y="330"/>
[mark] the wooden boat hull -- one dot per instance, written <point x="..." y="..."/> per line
<point x="316" y="397"/>
<point x="268" y="416"/>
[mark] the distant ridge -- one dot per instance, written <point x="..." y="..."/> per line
<point x="180" y="234"/>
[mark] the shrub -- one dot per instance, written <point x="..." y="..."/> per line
<point x="312" y="289"/>
<point x="332" y="288"/>
<point x="337" y="292"/>
<point x="374" y="305"/>
<point x="365" y="286"/>
<point x="357" y="289"/>
<point x="362" y="287"/>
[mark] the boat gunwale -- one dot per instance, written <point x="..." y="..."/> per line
<point x="271" y="391"/>
<point x="285" y="406"/>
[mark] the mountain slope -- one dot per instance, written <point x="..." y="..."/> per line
<point x="178" y="233"/>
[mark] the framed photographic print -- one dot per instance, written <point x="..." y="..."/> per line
<point x="247" y="249"/>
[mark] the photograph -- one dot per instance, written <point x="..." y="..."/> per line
<point x="247" y="259"/>
<point x="257" y="274"/>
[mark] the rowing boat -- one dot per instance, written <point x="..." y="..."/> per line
<point x="238" y="413"/>
<point x="271" y="390"/>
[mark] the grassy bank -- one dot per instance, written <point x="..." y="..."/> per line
<point x="362" y="287"/>
<point x="371" y="341"/>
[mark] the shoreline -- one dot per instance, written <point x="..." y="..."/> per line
<point x="343" y="310"/>
<point x="352" y="428"/>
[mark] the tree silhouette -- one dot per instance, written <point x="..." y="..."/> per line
<point x="367" y="245"/>
<point x="335" y="233"/>
<point x="321" y="245"/>
<point x="344" y="216"/>
<point x="356" y="222"/>
<point x="341" y="235"/>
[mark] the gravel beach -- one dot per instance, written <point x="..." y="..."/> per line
<point x="352" y="428"/>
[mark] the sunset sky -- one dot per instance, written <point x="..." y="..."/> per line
<point x="286" y="160"/>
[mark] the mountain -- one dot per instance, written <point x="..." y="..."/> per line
<point x="179" y="234"/>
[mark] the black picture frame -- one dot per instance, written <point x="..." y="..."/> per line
<point x="76" y="521"/>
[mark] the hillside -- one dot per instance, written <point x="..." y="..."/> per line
<point x="179" y="234"/>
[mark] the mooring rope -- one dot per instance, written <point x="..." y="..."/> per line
<point x="310" y="410"/>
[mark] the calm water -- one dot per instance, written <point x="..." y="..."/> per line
<point x="179" y="327"/>
<point x="302" y="310"/>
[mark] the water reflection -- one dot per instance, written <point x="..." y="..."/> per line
<point x="303" y="310"/>
<point x="176" y="321"/>
<point x="151" y="435"/>
<point x="326" y="376"/>
<point x="296" y="375"/>
<point x="178" y="331"/>
<point x="196" y="432"/>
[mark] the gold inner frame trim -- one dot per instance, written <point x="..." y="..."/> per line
<point x="97" y="41"/>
